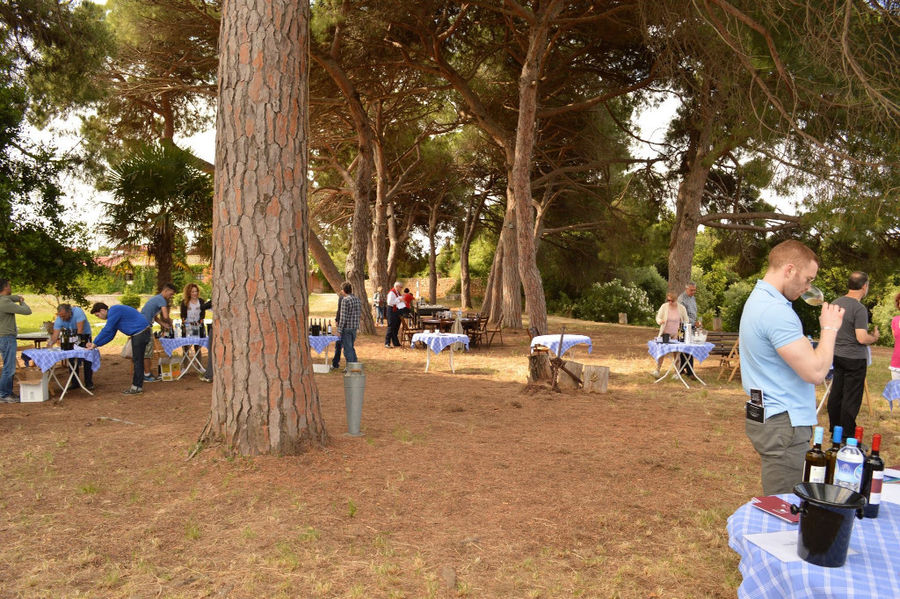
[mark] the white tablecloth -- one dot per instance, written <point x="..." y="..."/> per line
<point x="697" y="350"/>
<point x="46" y="358"/>
<point x="552" y="342"/>
<point x="436" y="342"/>
<point x="170" y="345"/>
<point x="319" y="342"/>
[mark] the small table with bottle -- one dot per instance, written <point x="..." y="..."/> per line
<point x="71" y="354"/>
<point x="771" y="552"/>
<point x="191" y="337"/>
<point x="687" y="344"/>
<point x="321" y="335"/>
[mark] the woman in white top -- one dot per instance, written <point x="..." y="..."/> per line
<point x="669" y="316"/>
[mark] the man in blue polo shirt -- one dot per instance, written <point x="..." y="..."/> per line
<point x="779" y="366"/>
<point x="132" y="323"/>
<point x="74" y="319"/>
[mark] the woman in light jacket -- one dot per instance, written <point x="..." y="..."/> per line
<point x="669" y="316"/>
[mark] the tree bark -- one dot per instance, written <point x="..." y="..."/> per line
<point x="520" y="179"/>
<point x="687" y="209"/>
<point x="265" y="399"/>
<point x="432" y="249"/>
<point x="510" y="283"/>
<point x="164" y="252"/>
<point x="470" y="226"/>
<point x="323" y="259"/>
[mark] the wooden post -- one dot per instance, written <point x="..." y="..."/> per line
<point x="623" y="318"/>
<point x="717" y="323"/>
<point x="596" y="379"/>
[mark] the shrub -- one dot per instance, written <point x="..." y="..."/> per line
<point x="882" y="314"/>
<point x="131" y="299"/>
<point x="648" y="279"/>
<point x="603" y="302"/>
<point x="735" y="298"/>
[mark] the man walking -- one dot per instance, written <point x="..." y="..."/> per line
<point x="687" y="299"/>
<point x="851" y="355"/>
<point x="395" y="304"/>
<point x="779" y="366"/>
<point x="131" y="322"/>
<point x="336" y="360"/>
<point x="10" y="305"/>
<point x="74" y="319"/>
<point x="156" y="309"/>
<point x="351" y="309"/>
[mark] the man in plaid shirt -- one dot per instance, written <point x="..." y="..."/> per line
<point x="348" y="323"/>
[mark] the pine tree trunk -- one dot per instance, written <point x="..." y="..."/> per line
<point x="326" y="264"/>
<point x="265" y="399"/>
<point x="465" y="288"/>
<point x="510" y="283"/>
<point x="432" y="252"/>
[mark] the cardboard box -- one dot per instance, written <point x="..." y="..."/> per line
<point x="31" y="374"/>
<point x="321" y="368"/>
<point x="34" y="392"/>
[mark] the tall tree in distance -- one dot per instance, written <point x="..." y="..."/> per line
<point x="265" y="399"/>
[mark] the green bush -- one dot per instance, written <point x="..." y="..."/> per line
<point x="131" y="299"/>
<point x="735" y="298"/>
<point x="604" y="301"/>
<point x="883" y="313"/>
<point x="648" y="279"/>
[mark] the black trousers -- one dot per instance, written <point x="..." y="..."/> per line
<point x="393" y="328"/>
<point x="846" y="393"/>
<point x="138" y="348"/>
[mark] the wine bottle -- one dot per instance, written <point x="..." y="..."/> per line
<point x="849" y="469"/>
<point x="859" y="437"/>
<point x="815" y="467"/>
<point x="831" y="454"/>
<point x="329" y="327"/>
<point x="872" y="478"/>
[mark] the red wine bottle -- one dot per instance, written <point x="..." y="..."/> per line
<point x="873" y="475"/>
<point x="831" y="454"/>
<point x="815" y="466"/>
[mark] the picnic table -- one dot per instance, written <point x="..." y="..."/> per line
<point x="700" y="351"/>
<point x="872" y="568"/>
<point x="436" y="343"/>
<point x="45" y="359"/>
<point x="189" y="353"/>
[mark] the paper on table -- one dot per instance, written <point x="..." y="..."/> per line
<point x="890" y="492"/>
<point x="781" y="545"/>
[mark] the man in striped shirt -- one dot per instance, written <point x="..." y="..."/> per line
<point x="348" y="323"/>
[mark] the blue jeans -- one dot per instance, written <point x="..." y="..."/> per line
<point x="348" y="338"/>
<point x="8" y="352"/>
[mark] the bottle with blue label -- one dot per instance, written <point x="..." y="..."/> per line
<point x="848" y="471"/>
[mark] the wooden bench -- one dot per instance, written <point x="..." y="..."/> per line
<point x="726" y="347"/>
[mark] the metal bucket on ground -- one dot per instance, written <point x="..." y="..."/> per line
<point x="354" y="390"/>
<point x="826" y="522"/>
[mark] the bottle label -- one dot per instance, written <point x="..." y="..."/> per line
<point x="875" y="493"/>
<point x="848" y="474"/>
<point x="817" y="474"/>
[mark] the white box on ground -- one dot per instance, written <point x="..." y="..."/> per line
<point x="34" y="391"/>
<point x="321" y="368"/>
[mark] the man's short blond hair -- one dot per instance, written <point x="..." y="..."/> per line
<point x="791" y="252"/>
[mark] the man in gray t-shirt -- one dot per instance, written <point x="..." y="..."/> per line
<point x="850" y="356"/>
<point x="157" y="308"/>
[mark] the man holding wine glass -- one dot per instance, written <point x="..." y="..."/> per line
<point x="851" y="355"/>
<point x="779" y="366"/>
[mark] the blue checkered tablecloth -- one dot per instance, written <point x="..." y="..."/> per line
<point x="891" y="392"/>
<point x="873" y="571"/>
<point x="436" y="342"/>
<point x="319" y="342"/>
<point x="170" y="345"/>
<point x="700" y="351"/>
<point x="551" y="342"/>
<point x="46" y="358"/>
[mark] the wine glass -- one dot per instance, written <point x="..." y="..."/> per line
<point x="813" y="296"/>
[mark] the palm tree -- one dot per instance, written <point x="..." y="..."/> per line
<point x="159" y="194"/>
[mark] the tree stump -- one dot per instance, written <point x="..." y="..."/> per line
<point x="565" y="379"/>
<point x="623" y="318"/>
<point x="596" y="378"/>
<point x="717" y="323"/>
<point x="539" y="367"/>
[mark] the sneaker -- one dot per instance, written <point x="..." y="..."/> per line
<point x="149" y="378"/>
<point x="132" y="390"/>
<point x="386" y="346"/>
<point x="656" y="374"/>
<point x="204" y="379"/>
<point x="89" y="387"/>
<point x="9" y="399"/>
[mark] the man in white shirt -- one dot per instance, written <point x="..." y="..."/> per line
<point x="395" y="303"/>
